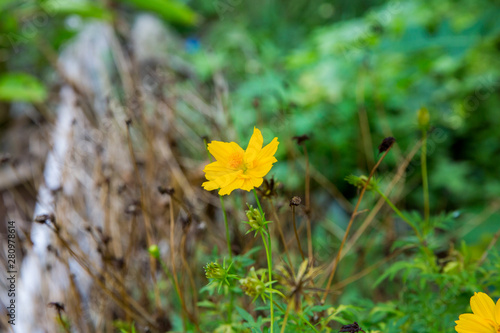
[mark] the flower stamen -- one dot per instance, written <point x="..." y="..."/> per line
<point x="235" y="160"/>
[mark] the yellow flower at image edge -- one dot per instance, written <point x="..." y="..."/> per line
<point x="485" y="317"/>
<point x="237" y="168"/>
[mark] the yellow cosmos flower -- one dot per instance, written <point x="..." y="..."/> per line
<point x="486" y="317"/>
<point x="237" y="168"/>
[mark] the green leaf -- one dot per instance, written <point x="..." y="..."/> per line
<point x="245" y="315"/>
<point x="207" y="304"/>
<point x="82" y="8"/>
<point x="21" y="87"/>
<point x="171" y="10"/>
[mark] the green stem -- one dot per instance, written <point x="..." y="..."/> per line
<point x="228" y="239"/>
<point x="170" y="276"/>
<point x="269" y="261"/>
<point x="425" y="181"/>
<point x="398" y="212"/>
<point x="427" y="251"/>
<point x="230" y="311"/>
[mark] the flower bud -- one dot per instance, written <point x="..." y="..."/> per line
<point x="252" y="286"/>
<point x="154" y="251"/>
<point x="423" y="118"/>
<point x="214" y="271"/>
<point x="255" y="218"/>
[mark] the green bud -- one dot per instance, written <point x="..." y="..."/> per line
<point x="214" y="271"/>
<point x="252" y="286"/>
<point x="360" y="182"/>
<point x="256" y="220"/>
<point x="154" y="251"/>
<point x="423" y="118"/>
<point x="219" y="275"/>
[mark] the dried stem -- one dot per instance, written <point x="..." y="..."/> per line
<point x="337" y="259"/>
<point x="296" y="234"/>
<point x="174" y="270"/>
<point x="147" y="220"/>
<point x="308" y="208"/>
<point x="282" y="236"/>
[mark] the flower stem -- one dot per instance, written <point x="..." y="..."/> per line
<point x="398" y="212"/>
<point x="425" y="181"/>
<point x="295" y="230"/>
<point x="228" y="239"/>
<point x="269" y="261"/>
<point x="421" y="239"/>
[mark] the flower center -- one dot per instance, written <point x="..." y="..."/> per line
<point x="235" y="160"/>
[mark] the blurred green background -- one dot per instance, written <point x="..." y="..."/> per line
<point x="347" y="72"/>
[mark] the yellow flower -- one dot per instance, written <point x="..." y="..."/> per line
<point x="237" y="168"/>
<point x="486" y="317"/>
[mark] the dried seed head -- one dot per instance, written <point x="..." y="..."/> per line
<point x="56" y="305"/>
<point x="256" y="102"/>
<point x="5" y="158"/>
<point x="186" y="223"/>
<point x="386" y="144"/>
<point x="166" y="190"/>
<point x="41" y="218"/>
<point x="295" y="201"/>
<point x="268" y="188"/>
<point x="301" y="138"/>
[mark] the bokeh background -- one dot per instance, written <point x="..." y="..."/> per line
<point x="91" y="89"/>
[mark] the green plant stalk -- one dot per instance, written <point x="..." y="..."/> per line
<point x="398" y="212"/>
<point x="421" y="239"/>
<point x="269" y="261"/>
<point x="425" y="181"/>
<point x="228" y="239"/>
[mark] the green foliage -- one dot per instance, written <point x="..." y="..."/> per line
<point x="21" y="87"/>
<point x="171" y="10"/>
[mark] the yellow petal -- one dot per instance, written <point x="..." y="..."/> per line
<point x="269" y="150"/>
<point x="222" y="151"/>
<point x="261" y="170"/>
<point x="471" y="323"/>
<point x="497" y="311"/>
<point x="227" y="179"/>
<point x="483" y="306"/>
<point x="216" y="169"/>
<point x="254" y="146"/>
<point x="250" y="183"/>
<point x="237" y="183"/>
<point x="256" y="182"/>
<point x="210" y="185"/>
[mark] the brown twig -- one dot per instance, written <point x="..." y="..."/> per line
<point x="280" y="231"/>
<point x="308" y="208"/>
<point x="146" y="217"/>
<point x="337" y="259"/>
<point x="296" y="234"/>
